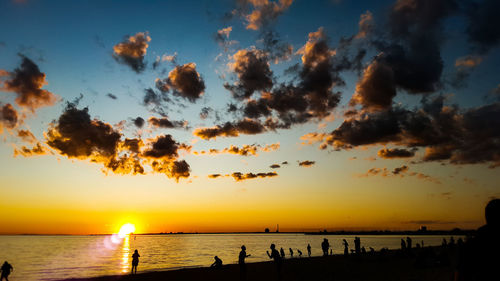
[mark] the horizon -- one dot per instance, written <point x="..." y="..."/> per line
<point x="231" y="116"/>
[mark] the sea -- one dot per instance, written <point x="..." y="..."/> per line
<point x="40" y="257"/>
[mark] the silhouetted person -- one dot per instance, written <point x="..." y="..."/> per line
<point x="422" y="243"/>
<point x="291" y="252"/>
<point x="452" y="242"/>
<point x="324" y="246"/>
<point x="372" y="250"/>
<point x="444" y="243"/>
<point x="300" y="253"/>
<point x="357" y="245"/>
<point x="309" y="250"/>
<point x="241" y="261"/>
<point x="403" y="245"/>
<point x="135" y="262"/>
<point x="363" y="250"/>
<point x="479" y="257"/>
<point x="217" y="263"/>
<point x="274" y="255"/>
<point x="6" y="269"/>
<point x="282" y="252"/>
<point x="331" y="252"/>
<point x="346" y="247"/>
<point x="408" y="243"/>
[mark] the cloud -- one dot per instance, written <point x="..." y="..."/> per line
<point x="237" y="176"/>
<point x="245" y="126"/>
<point x="311" y="97"/>
<point x="26" y="135"/>
<point x="111" y="96"/>
<point x="402" y="172"/>
<point x="265" y="12"/>
<point x="376" y="89"/>
<point x="76" y="135"/>
<point x="38" y="149"/>
<point x="166" y="123"/>
<point x="482" y="25"/>
<point x="365" y="25"/>
<point x="8" y="116"/>
<point x="245" y="150"/>
<point x="253" y="71"/>
<point x="184" y="81"/>
<point x="165" y="57"/>
<point x="138" y="122"/>
<point x="468" y="61"/>
<point x="307" y="163"/>
<point x="240" y="176"/>
<point x="390" y="153"/>
<point x="132" y="50"/>
<point x="463" y="68"/>
<point x="275" y="166"/>
<point x="205" y="112"/>
<point x="27" y="82"/>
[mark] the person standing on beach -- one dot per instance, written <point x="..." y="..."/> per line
<point x="6" y="269"/>
<point x="357" y="245"/>
<point x="309" y="250"/>
<point x="274" y="255"/>
<point x="403" y="245"/>
<point x="324" y="246"/>
<point x="282" y="252"/>
<point x="478" y="257"/>
<point x="291" y="252"/>
<point x="135" y="261"/>
<point x="346" y="247"/>
<point x="241" y="261"/>
<point x="408" y="243"/>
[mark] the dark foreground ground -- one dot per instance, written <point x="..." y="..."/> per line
<point x="431" y="263"/>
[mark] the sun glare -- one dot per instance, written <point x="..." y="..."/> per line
<point x="126" y="229"/>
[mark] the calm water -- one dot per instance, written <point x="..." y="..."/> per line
<point x="59" y="257"/>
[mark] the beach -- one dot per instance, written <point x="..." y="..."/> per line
<point x="430" y="263"/>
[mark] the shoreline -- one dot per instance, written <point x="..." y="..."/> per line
<point x="429" y="263"/>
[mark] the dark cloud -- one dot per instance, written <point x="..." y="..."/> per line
<point x="8" y="116"/>
<point x="132" y="51"/>
<point x="214" y="176"/>
<point x="27" y="82"/>
<point x="276" y="49"/>
<point x="76" y="135"/>
<point x="138" y="122"/>
<point x="245" y="150"/>
<point x="275" y="166"/>
<point x="184" y="81"/>
<point x="245" y="126"/>
<point x="483" y="22"/>
<point x="284" y="163"/>
<point x="400" y="170"/>
<point x="376" y="89"/>
<point x="205" y="112"/>
<point x="307" y="163"/>
<point x="166" y="123"/>
<point x="389" y="153"/>
<point x="253" y="71"/>
<point x="163" y="147"/>
<point x="111" y="96"/>
<point x="240" y="176"/>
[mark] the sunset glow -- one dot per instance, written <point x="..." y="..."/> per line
<point x="237" y="116"/>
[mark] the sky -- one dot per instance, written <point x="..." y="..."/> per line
<point x="220" y="116"/>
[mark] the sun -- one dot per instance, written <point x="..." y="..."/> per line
<point x="126" y="229"/>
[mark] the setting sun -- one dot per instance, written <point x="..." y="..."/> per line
<point x="126" y="229"/>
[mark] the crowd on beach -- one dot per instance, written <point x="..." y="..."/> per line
<point x="476" y="258"/>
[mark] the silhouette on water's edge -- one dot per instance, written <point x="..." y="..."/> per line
<point x="6" y="269"/>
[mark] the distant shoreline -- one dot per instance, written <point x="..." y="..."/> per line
<point x="341" y="232"/>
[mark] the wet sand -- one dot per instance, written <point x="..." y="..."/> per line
<point x="392" y="265"/>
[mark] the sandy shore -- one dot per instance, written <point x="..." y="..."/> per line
<point x="432" y="264"/>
